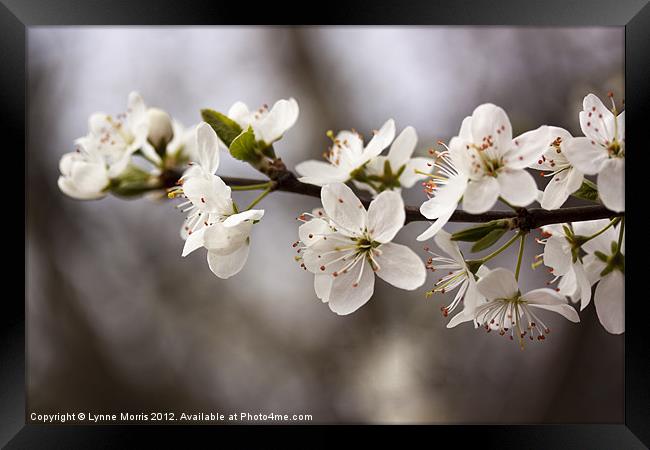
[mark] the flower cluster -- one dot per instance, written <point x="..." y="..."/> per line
<point x="349" y="240"/>
<point x="103" y="160"/>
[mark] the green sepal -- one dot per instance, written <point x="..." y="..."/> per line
<point x="473" y="265"/>
<point x="587" y="191"/>
<point x="244" y="147"/>
<point x="133" y="181"/>
<point x="478" y="232"/>
<point x="488" y="240"/>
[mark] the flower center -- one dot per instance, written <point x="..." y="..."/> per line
<point x="486" y="163"/>
<point x="615" y="150"/>
<point x="512" y="317"/>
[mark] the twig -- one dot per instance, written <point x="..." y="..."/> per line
<point x="523" y="219"/>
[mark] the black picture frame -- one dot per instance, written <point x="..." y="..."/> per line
<point x="16" y="16"/>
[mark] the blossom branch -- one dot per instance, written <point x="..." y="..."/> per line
<point x="522" y="218"/>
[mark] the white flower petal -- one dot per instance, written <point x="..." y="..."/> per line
<point x="68" y="187"/>
<point x="207" y="144"/>
<point x="400" y="266"/>
<point x="446" y="198"/>
<point x="481" y="195"/>
<point x="236" y="219"/>
<point x="557" y="254"/>
<point x="239" y="113"/>
<point x="313" y="231"/>
<point x="89" y="177"/>
<point x="565" y="310"/>
<point x="323" y="286"/>
<point x="574" y="180"/>
<point x="344" y="208"/>
<point x="518" y="187"/>
<point x="544" y="296"/>
<point x="326" y="257"/>
<point x="444" y="242"/>
<point x="551" y="152"/>
<point x="116" y="168"/>
<point x="596" y="121"/>
<point x="527" y="148"/>
<point x="223" y="240"/>
<point x="225" y="266"/>
<point x="609" y="300"/>
<point x="409" y="176"/>
<point x="402" y="149"/>
<point x="603" y="241"/>
<point x="583" y="284"/>
<point x="193" y="241"/>
<point x="499" y="283"/>
<point x="473" y="298"/>
<point x="320" y="173"/>
<point x="585" y="154"/>
<point x="351" y="142"/>
<point x="380" y="140"/>
<point x="611" y="184"/>
<point x="209" y="193"/>
<point x="386" y="216"/>
<point x="593" y="268"/>
<point x="351" y="290"/>
<point x="436" y="226"/>
<point x="461" y="317"/>
<point x="282" y="116"/>
<point x="465" y="132"/>
<point x="556" y="191"/>
<point x="489" y="120"/>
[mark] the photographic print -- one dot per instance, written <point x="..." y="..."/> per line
<point x="326" y="225"/>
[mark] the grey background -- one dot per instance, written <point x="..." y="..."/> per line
<point x="118" y="321"/>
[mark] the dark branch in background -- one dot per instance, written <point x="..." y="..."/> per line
<point x="522" y="218"/>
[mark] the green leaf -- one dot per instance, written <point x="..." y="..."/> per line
<point x="587" y="191"/>
<point x="478" y="232"/>
<point x="488" y="240"/>
<point x="244" y="147"/>
<point x="226" y="128"/>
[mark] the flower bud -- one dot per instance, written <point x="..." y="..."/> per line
<point x="160" y="129"/>
<point x="82" y="178"/>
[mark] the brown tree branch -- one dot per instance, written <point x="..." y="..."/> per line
<point x="522" y="218"/>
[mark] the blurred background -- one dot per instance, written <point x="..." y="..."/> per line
<point x="118" y="321"/>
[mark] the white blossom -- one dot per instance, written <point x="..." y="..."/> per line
<point x="346" y="248"/>
<point x="562" y="256"/>
<point x="457" y="275"/>
<point x="565" y="179"/>
<point x="445" y="188"/>
<point x="212" y="220"/>
<point x="161" y="130"/>
<point x="268" y="126"/>
<point x="497" y="162"/>
<point x="404" y="169"/>
<point x="513" y="314"/>
<point x="346" y="155"/>
<point x="606" y="267"/>
<point x="601" y="151"/>
<point x="84" y="174"/>
<point x="117" y="138"/>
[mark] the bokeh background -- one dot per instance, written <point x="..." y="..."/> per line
<point x="118" y="321"/>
